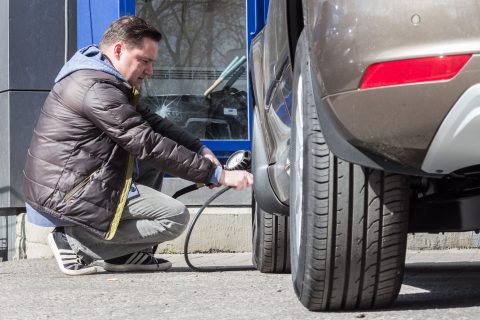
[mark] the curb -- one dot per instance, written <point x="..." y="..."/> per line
<point x="225" y="229"/>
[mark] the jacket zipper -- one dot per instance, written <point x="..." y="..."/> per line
<point x="122" y="200"/>
<point x="79" y="186"/>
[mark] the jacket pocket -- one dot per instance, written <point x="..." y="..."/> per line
<point x="79" y="186"/>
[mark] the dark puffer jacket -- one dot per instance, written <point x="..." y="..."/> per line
<point x="77" y="162"/>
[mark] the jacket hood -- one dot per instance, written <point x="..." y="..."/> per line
<point x="90" y="58"/>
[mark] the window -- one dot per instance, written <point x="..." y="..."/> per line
<point x="201" y="38"/>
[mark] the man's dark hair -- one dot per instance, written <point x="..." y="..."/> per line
<point x="130" y="30"/>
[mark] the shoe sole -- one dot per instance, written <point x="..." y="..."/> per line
<point x="136" y="267"/>
<point x="58" y="258"/>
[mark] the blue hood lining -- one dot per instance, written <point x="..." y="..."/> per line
<point x="88" y="58"/>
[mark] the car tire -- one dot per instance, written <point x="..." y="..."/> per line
<point x="271" y="241"/>
<point x="348" y="223"/>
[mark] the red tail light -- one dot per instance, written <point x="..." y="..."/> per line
<point x="413" y="70"/>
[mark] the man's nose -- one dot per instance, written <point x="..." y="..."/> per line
<point x="149" y="69"/>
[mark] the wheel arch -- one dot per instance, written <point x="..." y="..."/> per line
<point x="264" y="193"/>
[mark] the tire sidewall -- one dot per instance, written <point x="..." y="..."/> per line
<point x="298" y="242"/>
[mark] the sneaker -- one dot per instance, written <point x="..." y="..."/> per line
<point x="68" y="261"/>
<point x="137" y="261"/>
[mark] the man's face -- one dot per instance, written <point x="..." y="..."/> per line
<point x="136" y="63"/>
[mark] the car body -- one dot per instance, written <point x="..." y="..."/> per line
<point x="363" y="98"/>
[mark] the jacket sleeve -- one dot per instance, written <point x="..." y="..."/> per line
<point x="169" y="129"/>
<point x="108" y="108"/>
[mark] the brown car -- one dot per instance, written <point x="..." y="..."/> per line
<point x="366" y="119"/>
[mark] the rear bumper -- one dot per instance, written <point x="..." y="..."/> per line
<point x="395" y="127"/>
<point x="342" y="145"/>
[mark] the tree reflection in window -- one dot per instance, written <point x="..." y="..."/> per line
<point x="200" y="39"/>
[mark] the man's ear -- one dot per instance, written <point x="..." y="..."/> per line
<point x="117" y="49"/>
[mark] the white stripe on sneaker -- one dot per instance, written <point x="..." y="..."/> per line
<point x="140" y="256"/>
<point x="69" y="251"/>
<point x="132" y="257"/>
<point x="65" y="261"/>
<point x="143" y="259"/>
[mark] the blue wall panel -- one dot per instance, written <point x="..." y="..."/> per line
<point x="94" y="16"/>
<point x="127" y="7"/>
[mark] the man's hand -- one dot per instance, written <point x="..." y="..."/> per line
<point x="207" y="153"/>
<point x="237" y="179"/>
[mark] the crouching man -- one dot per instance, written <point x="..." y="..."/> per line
<point x="81" y="164"/>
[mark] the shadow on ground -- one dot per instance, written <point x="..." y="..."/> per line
<point x="439" y="286"/>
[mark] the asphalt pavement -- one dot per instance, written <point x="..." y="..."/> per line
<point x="441" y="284"/>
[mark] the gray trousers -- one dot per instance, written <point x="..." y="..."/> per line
<point x="147" y="220"/>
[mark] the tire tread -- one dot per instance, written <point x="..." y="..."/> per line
<point x="355" y="226"/>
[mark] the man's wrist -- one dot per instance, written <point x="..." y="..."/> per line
<point x="217" y="175"/>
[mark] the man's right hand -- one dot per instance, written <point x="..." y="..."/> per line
<point x="237" y="179"/>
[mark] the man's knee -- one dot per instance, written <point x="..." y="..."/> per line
<point x="184" y="216"/>
<point x="181" y="217"/>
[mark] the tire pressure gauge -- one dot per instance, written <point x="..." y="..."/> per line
<point x="239" y="160"/>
